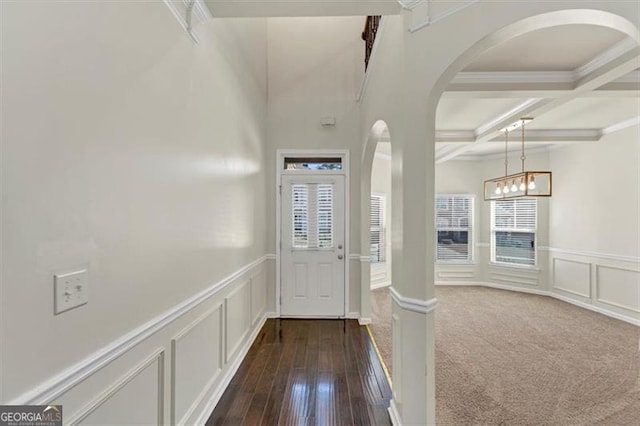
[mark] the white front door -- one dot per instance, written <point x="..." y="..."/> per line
<point x="312" y="253"/>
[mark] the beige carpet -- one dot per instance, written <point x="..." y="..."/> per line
<point x="507" y="358"/>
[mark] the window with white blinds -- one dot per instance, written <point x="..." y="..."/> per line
<point x="378" y="231"/>
<point x="312" y="209"/>
<point x="454" y="228"/>
<point x="513" y="231"/>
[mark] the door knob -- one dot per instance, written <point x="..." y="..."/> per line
<point x="339" y="246"/>
<point x="340" y="256"/>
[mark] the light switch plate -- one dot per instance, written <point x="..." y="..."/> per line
<point x="70" y="290"/>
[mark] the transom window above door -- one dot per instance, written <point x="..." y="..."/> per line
<point x="317" y="164"/>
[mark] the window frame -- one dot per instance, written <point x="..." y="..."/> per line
<point x="471" y="231"/>
<point x="493" y="229"/>
<point x="382" y="229"/>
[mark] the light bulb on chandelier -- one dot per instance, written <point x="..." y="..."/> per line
<point x="525" y="183"/>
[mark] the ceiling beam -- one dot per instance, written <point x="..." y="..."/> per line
<point x="543" y="84"/>
<point x="597" y="76"/>
<point x="533" y="135"/>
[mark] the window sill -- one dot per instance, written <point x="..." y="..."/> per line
<point x="444" y="262"/>
<point x="512" y="266"/>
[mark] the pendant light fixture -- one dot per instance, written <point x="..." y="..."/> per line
<point x="519" y="185"/>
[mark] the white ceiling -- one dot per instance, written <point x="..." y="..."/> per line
<point x="562" y="48"/>
<point x="553" y="75"/>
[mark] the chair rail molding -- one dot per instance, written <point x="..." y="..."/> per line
<point x="62" y="382"/>
<point x="414" y="305"/>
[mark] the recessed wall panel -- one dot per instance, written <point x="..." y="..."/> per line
<point x="258" y="295"/>
<point x="300" y="280"/>
<point x="196" y="361"/>
<point x="134" y="399"/>
<point x="572" y="276"/>
<point x="238" y="313"/>
<point x="618" y="287"/>
<point x="325" y="280"/>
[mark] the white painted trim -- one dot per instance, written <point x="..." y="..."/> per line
<point x="354" y="256"/>
<point x="70" y="377"/>
<point x="632" y="77"/>
<point x="605" y="57"/>
<point x="552" y="294"/>
<point x="346" y="162"/>
<point x="380" y="285"/>
<point x="364" y="321"/>
<point x="219" y="308"/>
<point x="102" y="397"/>
<point x="410" y="4"/>
<point x="374" y="49"/>
<point x="271" y="314"/>
<point x="607" y="256"/>
<point x="230" y="353"/>
<point x="182" y="19"/>
<point x="513" y="77"/>
<point x="231" y="371"/>
<point x="352" y="315"/>
<point x="597" y="287"/>
<point x="566" y="290"/>
<point x="513" y="267"/>
<point x="630" y="320"/>
<point x="382" y="155"/>
<point x="446" y="13"/>
<point x="270" y="257"/>
<point x="621" y="125"/>
<point x="414" y="305"/>
<point x="394" y="414"/>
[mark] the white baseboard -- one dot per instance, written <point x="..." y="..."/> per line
<point x="394" y="414"/>
<point x="271" y="315"/>
<point x="364" y="321"/>
<point x="541" y="292"/>
<point x="597" y="309"/>
<point x="233" y="369"/>
<point x="353" y="315"/>
<point x="380" y="285"/>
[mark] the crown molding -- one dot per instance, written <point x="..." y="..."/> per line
<point x="604" y="58"/>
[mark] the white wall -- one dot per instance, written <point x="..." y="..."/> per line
<point x="467" y="177"/>
<point x="588" y="231"/>
<point x="381" y="185"/>
<point x="130" y="150"/>
<point x="315" y="69"/>
<point x="595" y="223"/>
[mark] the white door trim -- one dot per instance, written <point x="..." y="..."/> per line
<point x="344" y="155"/>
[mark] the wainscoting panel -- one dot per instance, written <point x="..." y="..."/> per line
<point x="135" y="398"/>
<point x="619" y="287"/>
<point x="171" y="369"/>
<point x="196" y="355"/>
<point x="514" y="278"/>
<point x="238" y="318"/>
<point x="572" y="276"/>
<point x="258" y="295"/>
<point x="396" y="326"/>
<point x="603" y="282"/>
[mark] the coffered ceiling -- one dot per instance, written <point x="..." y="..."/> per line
<point x="578" y="82"/>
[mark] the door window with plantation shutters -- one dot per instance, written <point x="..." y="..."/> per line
<point x="454" y="228"/>
<point x="312" y="221"/>
<point x="513" y="231"/>
<point x="378" y="231"/>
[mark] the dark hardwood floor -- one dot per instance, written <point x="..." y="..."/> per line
<point x="307" y="372"/>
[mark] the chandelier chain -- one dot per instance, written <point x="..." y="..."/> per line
<point x="522" y="156"/>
